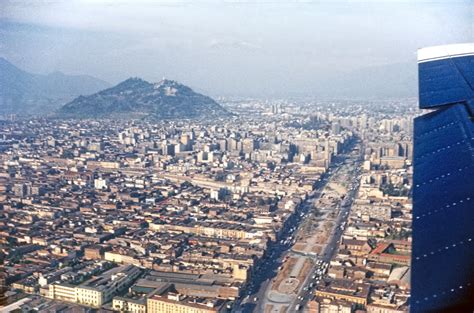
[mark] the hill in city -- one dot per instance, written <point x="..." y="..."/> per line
<point x="137" y="98"/>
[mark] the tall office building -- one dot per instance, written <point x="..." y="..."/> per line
<point x="443" y="194"/>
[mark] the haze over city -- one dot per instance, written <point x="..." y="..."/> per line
<point x="240" y="48"/>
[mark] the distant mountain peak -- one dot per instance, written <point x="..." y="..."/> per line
<point x="132" y="82"/>
<point x="6" y="65"/>
<point x="27" y="93"/>
<point x="135" y="97"/>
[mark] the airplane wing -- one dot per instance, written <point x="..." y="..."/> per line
<point x="446" y="75"/>
<point x="442" y="276"/>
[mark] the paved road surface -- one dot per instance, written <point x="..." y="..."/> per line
<point x="331" y="247"/>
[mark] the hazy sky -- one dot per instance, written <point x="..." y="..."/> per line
<point x="226" y="47"/>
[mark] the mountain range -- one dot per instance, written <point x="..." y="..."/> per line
<point x="137" y="98"/>
<point x="84" y="96"/>
<point x="27" y="93"/>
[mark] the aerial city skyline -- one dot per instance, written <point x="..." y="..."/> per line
<point x="240" y="157"/>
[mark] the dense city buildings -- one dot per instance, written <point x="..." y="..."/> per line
<point x="236" y="156"/>
<point x="300" y="205"/>
<point x="443" y="194"/>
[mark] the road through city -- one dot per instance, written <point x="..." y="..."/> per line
<point x="258" y="294"/>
